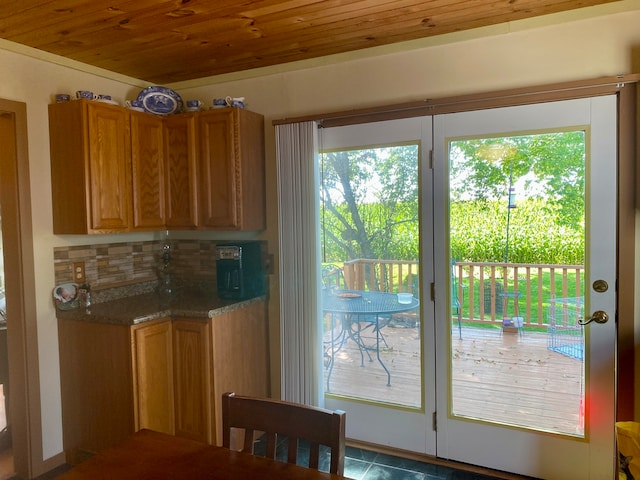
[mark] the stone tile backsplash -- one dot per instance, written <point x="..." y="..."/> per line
<point x="137" y="265"/>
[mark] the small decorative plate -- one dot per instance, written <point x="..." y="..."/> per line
<point x="160" y="100"/>
<point x="66" y="296"/>
<point x="348" y="295"/>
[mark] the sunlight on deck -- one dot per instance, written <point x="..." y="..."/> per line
<point x="500" y="377"/>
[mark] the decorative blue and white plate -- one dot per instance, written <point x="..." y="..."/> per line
<point x="160" y="100"/>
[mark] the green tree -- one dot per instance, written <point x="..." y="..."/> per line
<point x="548" y="165"/>
<point x="370" y="203"/>
<point x="369" y="200"/>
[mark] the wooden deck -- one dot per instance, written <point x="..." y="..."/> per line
<point x="502" y="377"/>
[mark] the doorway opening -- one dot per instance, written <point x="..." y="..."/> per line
<point x="536" y="293"/>
<point x="6" y="443"/>
<point x="24" y="411"/>
<point x="548" y="164"/>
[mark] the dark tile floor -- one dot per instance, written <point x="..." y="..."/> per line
<point x="363" y="464"/>
<point x="367" y="465"/>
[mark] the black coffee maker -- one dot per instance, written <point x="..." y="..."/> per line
<point x="240" y="271"/>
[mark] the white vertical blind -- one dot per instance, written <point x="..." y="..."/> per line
<point x="298" y="200"/>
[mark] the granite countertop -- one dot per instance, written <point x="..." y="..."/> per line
<point x="150" y="306"/>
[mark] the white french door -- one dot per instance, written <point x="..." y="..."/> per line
<point x="386" y="388"/>
<point x="439" y="421"/>
<point x="512" y="435"/>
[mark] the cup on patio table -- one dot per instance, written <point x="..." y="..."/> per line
<point x="405" y="298"/>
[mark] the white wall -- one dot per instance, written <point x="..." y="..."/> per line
<point x="572" y="46"/>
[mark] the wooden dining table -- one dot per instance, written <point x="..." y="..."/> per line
<point x="149" y="455"/>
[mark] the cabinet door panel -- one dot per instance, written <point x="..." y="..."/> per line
<point x="240" y="345"/>
<point x="69" y="168"/>
<point x="109" y="160"/>
<point x="252" y="195"/>
<point x="218" y="170"/>
<point x="95" y="381"/>
<point x="147" y="165"/>
<point x="180" y="171"/>
<point x="152" y="358"/>
<point x="191" y="380"/>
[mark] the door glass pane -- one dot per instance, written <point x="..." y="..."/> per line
<point x="517" y="243"/>
<point x="370" y="250"/>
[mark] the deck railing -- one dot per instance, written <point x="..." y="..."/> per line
<point x="487" y="292"/>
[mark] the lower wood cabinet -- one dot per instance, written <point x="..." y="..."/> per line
<point x="152" y="366"/>
<point x="192" y="379"/>
<point x="240" y="357"/>
<point x="166" y="375"/>
<point x="227" y="353"/>
<point x="96" y="385"/>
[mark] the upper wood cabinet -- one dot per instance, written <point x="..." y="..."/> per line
<point x="116" y="170"/>
<point x="147" y="168"/>
<point x="90" y="167"/>
<point x="180" y="147"/>
<point x="232" y="186"/>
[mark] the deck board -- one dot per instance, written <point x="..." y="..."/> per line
<point x="506" y="377"/>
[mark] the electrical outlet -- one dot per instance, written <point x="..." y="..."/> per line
<point x="78" y="272"/>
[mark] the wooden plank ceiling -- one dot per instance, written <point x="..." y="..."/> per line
<point x="168" y="41"/>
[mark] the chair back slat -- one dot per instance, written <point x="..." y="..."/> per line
<point x="292" y="450"/>
<point x="272" y="443"/>
<point x="314" y="455"/>
<point x="296" y="422"/>
<point x="248" y="440"/>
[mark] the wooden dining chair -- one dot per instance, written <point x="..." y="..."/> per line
<point x="277" y="419"/>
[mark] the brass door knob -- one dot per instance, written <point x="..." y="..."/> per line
<point x="598" y="316"/>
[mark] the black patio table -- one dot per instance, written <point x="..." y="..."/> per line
<point x="356" y="307"/>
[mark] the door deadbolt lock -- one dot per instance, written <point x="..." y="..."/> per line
<point x="598" y="316"/>
<point x="600" y="286"/>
